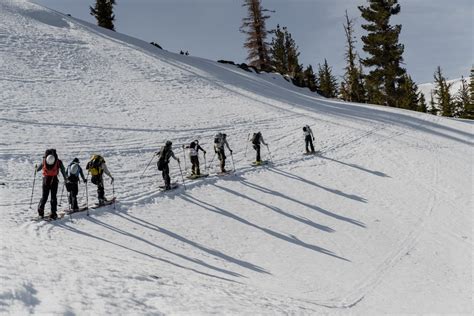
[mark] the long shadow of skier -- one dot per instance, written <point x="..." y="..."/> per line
<point x="213" y="252"/>
<point x="295" y="177"/>
<point x="80" y="232"/>
<point x="313" y="207"/>
<point x="278" y="210"/>
<point x="291" y="239"/>
<point x="377" y="173"/>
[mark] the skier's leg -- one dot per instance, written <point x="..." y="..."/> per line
<point x="44" y="197"/>
<point x="311" y="144"/>
<point x="166" y="177"/>
<point x="54" y="201"/>
<point x="258" y="153"/>
<point x="100" y="189"/>
<point x="73" y="196"/>
<point x="307" y="140"/>
<point x="198" y="171"/>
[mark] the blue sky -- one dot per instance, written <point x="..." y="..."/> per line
<point x="434" y="32"/>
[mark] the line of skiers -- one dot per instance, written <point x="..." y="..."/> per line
<point x="51" y="166"/>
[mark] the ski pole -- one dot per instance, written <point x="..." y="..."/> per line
<point x="184" y="156"/>
<point x="87" y="195"/>
<point x="205" y="163"/>
<point x="113" y="191"/>
<point x="232" y="156"/>
<point x="148" y="165"/>
<point x="62" y="191"/>
<point x="269" y="153"/>
<point x="33" y="189"/>
<point x="209" y="167"/>
<point x="179" y="164"/>
<point x="246" y="145"/>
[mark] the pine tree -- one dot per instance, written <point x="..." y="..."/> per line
<point x="279" y="58"/>
<point x="352" y="86"/>
<point x="327" y="82"/>
<point x="422" y="104"/>
<point x="463" y="100"/>
<point x="443" y="96"/>
<point x="310" y="80"/>
<point x="385" y="52"/>
<point x="469" y="109"/>
<point x="433" y="109"/>
<point x="410" y="97"/>
<point x="254" y="26"/>
<point x="103" y="12"/>
<point x="294" y="67"/>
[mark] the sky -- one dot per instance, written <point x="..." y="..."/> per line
<point x="434" y="32"/>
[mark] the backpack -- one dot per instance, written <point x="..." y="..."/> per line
<point x="95" y="165"/>
<point x="217" y="138"/>
<point x="73" y="177"/>
<point x="162" y="160"/>
<point x="255" y="138"/>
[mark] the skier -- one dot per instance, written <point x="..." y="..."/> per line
<point x="194" y="156"/>
<point x="308" y="138"/>
<point x="50" y="166"/>
<point x="220" y="140"/>
<point x="74" y="170"/>
<point x="256" y="140"/>
<point x="165" y="153"/>
<point x="97" y="168"/>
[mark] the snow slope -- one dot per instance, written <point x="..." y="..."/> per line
<point x="428" y="88"/>
<point x="379" y="222"/>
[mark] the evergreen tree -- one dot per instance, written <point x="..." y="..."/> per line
<point x="327" y="82"/>
<point x="294" y="67"/>
<point x="279" y="58"/>
<point x="463" y="101"/>
<point x="469" y="108"/>
<point x="298" y="77"/>
<point x="385" y="52"/>
<point x="409" y="95"/>
<point x="352" y="86"/>
<point x="310" y="80"/>
<point x="433" y="109"/>
<point x="254" y="26"/>
<point x="422" y="104"/>
<point x="443" y="96"/>
<point x="103" y="11"/>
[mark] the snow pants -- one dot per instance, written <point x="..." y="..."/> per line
<point x="73" y="189"/>
<point x="257" y="149"/>
<point x="166" y="175"/>
<point x="309" y="143"/>
<point x="99" y="181"/>
<point x="221" y="156"/>
<point x="50" y="184"/>
<point x="195" y="165"/>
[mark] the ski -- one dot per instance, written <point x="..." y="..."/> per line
<point x="68" y="211"/>
<point x="226" y="173"/>
<point x="106" y="203"/>
<point x="261" y="163"/>
<point x="311" y="153"/>
<point x="173" y="186"/>
<point x="193" y="177"/>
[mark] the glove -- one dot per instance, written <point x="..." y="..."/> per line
<point x="204" y="152"/>
<point x="230" y="151"/>
<point x="313" y="138"/>
<point x="111" y="180"/>
<point x="85" y="180"/>
<point x="178" y="160"/>
<point x="36" y="166"/>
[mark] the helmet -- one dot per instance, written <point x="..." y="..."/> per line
<point x="76" y="160"/>
<point x="50" y="160"/>
<point x="196" y="141"/>
<point x="168" y="143"/>
<point x="304" y="128"/>
<point x="74" y="168"/>
<point x="224" y="135"/>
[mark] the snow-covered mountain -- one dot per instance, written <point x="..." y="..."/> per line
<point x="380" y="221"/>
<point x="428" y="88"/>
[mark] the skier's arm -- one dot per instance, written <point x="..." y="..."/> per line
<point x="227" y="144"/>
<point x="263" y="141"/>
<point x="82" y="175"/>
<point x="106" y="170"/>
<point x="39" y="167"/>
<point x="174" y="157"/>
<point x="63" y="170"/>
<point x="200" y="148"/>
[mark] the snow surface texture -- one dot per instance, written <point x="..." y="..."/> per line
<point x="380" y="221"/>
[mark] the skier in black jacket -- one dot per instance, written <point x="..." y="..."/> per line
<point x="165" y="153"/>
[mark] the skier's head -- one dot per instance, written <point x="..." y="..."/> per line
<point x="168" y="143"/>
<point x="197" y="142"/>
<point x="75" y="160"/>
<point x="304" y="129"/>
<point x="50" y="160"/>
<point x="224" y="136"/>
